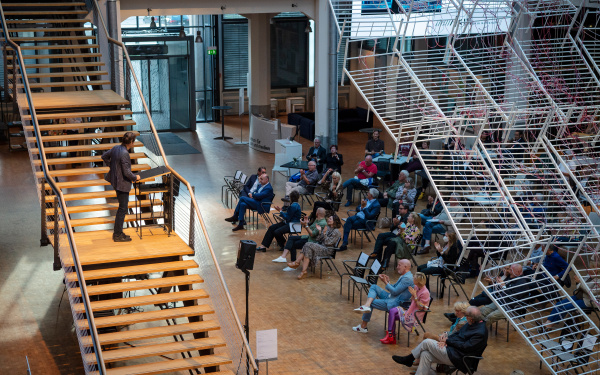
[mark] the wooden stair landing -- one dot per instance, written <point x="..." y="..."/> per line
<point x="76" y="99"/>
<point x="97" y="247"/>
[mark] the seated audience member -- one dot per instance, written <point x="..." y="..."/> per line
<point x="408" y="235"/>
<point x="334" y="194"/>
<point x="277" y="230"/>
<point x="433" y="208"/>
<point x="334" y="160"/>
<point x="580" y="297"/>
<point x="254" y="201"/>
<point x="375" y="146"/>
<point x="470" y="340"/>
<point x="385" y="299"/>
<point x="438" y="223"/>
<point x="459" y="320"/>
<point x="365" y="171"/>
<point x="534" y="260"/>
<point x="404" y="146"/>
<point x="419" y="296"/>
<point x="383" y="238"/>
<point x="556" y="266"/>
<point x="407" y="195"/>
<point x="317" y="153"/>
<point x="535" y="213"/>
<point x="296" y="242"/>
<point x="448" y="254"/>
<point x="311" y="251"/>
<point x="512" y="292"/>
<point x="307" y="178"/>
<point x="392" y="190"/>
<point x="368" y="210"/>
<point x="252" y="184"/>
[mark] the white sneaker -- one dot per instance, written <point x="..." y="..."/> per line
<point x="280" y="260"/>
<point x="363" y="309"/>
<point x="360" y="329"/>
<point x="288" y="269"/>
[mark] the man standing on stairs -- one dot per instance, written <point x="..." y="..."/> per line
<point x="121" y="177"/>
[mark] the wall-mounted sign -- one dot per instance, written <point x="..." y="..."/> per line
<point x="211" y="50"/>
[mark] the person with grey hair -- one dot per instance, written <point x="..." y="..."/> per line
<point x="470" y="340"/>
<point x="390" y="193"/>
<point x="508" y="293"/>
<point x="368" y="210"/>
<point x="318" y="154"/>
<point x="406" y="195"/>
<point x="307" y="178"/>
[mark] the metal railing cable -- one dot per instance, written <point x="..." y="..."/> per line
<point x="59" y="199"/>
<point x="94" y="7"/>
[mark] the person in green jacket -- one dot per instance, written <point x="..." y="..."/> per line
<point x="390" y="193"/>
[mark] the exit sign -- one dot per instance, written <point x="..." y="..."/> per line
<point x="211" y="50"/>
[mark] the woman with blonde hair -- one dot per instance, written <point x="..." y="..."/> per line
<point x="334" y="193"/>
<point x="408" y="235"/>
<point x="460" y="310"/>
<point x="408" y="318"/>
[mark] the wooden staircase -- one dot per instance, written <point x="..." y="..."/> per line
<point x="151" y="312"/>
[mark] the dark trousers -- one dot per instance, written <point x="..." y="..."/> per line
<point x="123" y="198"/>
<point x="381" y="240"/>
<point x="480" y="300"/>
<point x="293" y="244"/>
<point x="276" y="231"/>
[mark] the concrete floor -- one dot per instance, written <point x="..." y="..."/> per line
<point x="312" y="318"/>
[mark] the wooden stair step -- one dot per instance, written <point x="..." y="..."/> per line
<point x="57" y="20"/>
<point x="82" y="159"/>
<point x="40" y="29"/>
<point x="96" y="195"/>
<point x="87" y="171"/>
<point x="64" y="115"/>
<point x="49" y="38"/>
<point x="158" y="349"/>
<point x="83" y="73"/>
<point x="133" y="270"/>
<point x="60" y="46"/>
<point x="81" y="137"/>
<point x="94" y="290"/>
<point x="92" y="147"/>
<point x="104" y="220"/>
<point x="56" y="56"/>
<point x="147" y="316"/>
<point x="43" y="4"/>
<point x="152" y="299"/>
<point x="85" y="125"/>
<point x="61" y="66"/>
<point x="108" y="206"/>
<point x="80" y="184"/>
<point x="163" y="366"/>
<point x="154" y="332"/>
<point x="65" y="84"/>
<point x="64" y="100"/>
<point x="45" y="12"/>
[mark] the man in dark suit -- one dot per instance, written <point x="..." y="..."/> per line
<point x="121" y="177"/>
<point x="254" y="201"/>
<point x="252" y="184"/>
<point x="470" y="340"/>
<point x="368" y="210"/>
<point x="318" y="154"/>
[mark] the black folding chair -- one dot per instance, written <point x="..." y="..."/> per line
<point x="328" y="259"/>
<point x="358" y="268"/>
<point x="266" y="206"/>
<point x="364" y="232"/>
<point x="471" y="366"/>
<point x="229" y="182"/>
<point x="365" y="282"/>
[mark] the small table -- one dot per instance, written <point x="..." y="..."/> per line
<point x="222" y="108"/>
<point x="300" y="164"/>
<point x="370" y="131"/>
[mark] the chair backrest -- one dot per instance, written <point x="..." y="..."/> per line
<point x="237" y="175"/>
<point x="383" y="165"/>
<point x="362" y="261"/>
<point x="337" y="245"/>
<point x="243" y="178"/>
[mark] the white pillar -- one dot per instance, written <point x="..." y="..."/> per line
<point x="322" y="70"/>
<point x="259" y="61"/>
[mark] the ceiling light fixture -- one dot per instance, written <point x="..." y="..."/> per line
<point x="199" y="37"/>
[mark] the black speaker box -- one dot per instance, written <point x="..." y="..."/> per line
<point x="245" y="255"/>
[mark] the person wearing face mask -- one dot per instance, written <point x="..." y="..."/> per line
<point x="448" y="254"/>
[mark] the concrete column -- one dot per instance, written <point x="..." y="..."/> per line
<point x="322" y="92"/>
<point x="259" y="61"/>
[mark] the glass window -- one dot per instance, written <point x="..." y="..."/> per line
<point x="130" y="23"/>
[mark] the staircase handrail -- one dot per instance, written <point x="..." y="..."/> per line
<point x="183" y="180"/>
<point x="59" y="195"/>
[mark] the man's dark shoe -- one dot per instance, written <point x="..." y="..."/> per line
<point x="343" y="248"/>
<point x="261" y="249"/>
<point x="373" y="255"/>
<point x="240" y="226"/>
<point x="407" y="360"/>
<point x="232" y="219"/>
<point x="121" y="238"/>
<point x="348" y="203"/>
<point x="451" y="317"/>
<point x="425" y="250"/>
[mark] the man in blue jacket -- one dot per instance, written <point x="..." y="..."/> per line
<point x="277" y="230"/>
<point x="120" y="177"/>
<point x="254" y="201"/>
<point x="252" y="184"/>
<point x="392" y="296"/>
<point x="368" y="210"/>
<point x="470" y="340"/>
<point x="556" y="266"/>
